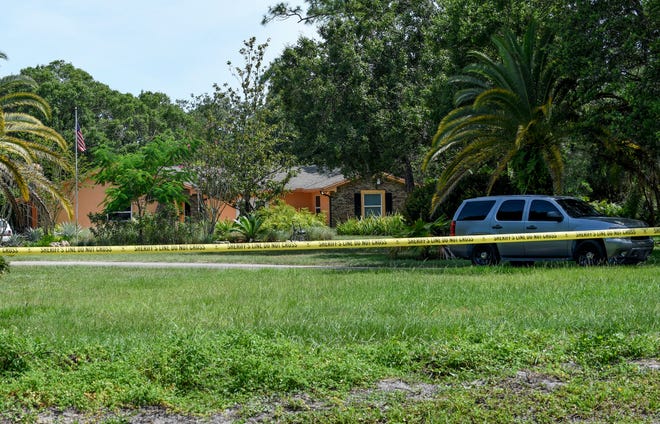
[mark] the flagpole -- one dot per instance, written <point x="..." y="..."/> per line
<point x="75" y="148"/>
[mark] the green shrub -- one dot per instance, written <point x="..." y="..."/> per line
<point x="16" y="240"/>
<point x="320" y="233"/>
<point x="73" y="233"/>
<point x="276" y="235"/>
<point x="33" y="235"/>
<point x="249" y="227"/>
<point x="46" y="240"/>
<point x="109" y="233"/>
<point x="389" y="225"/>
<point x="418" y="204"/>
<point x="283" y="217"/>
<point x="85" y="237"/>
<point x="419" y="228"/>
<point x="67" y="230"/>
<point x="608" y="208"/>
<point x="162" y="227"/>
<point x="282" y="221"/>
<point x="223" y="230"/>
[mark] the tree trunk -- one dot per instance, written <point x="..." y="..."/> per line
<point x="409" y="175"/>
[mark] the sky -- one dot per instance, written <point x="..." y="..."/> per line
<point x="176" y="47"/>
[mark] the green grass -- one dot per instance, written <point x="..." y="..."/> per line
<point x="200" y="340"/>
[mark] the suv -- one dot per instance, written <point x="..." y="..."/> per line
<point x="530" y="214"/>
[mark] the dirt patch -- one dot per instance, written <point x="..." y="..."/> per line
<point x="648" y="364"/>
<point x="142" y="416"/>
<point x="261" y="410"/>
<point x="537" y="381"/>
<point x="378" y="396"/>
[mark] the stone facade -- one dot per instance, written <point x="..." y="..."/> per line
<point x="342" y="203"/>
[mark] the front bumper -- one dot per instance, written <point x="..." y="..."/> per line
<point x="628" y="249"/>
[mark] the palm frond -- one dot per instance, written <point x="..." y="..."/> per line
<point x="25" y="100"/>
<point x="26" y="143"/>
<point x="503" y="107"/>
<point x="11" y="83"/>
<point x="13" y="173"/>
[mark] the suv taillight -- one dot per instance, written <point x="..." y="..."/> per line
<point x="452" y="228"/>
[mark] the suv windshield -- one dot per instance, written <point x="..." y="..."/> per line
<point x="578" y="208"/>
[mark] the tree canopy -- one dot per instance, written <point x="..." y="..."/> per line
<point x="244" y="155"/>
<point x="358" y="98"/>
<point x="120" y="121"/>
<point x="153" y="174"/>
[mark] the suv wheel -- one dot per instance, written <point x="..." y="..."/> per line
<point x="484" y="254"/>
<point x="589" y="253"/>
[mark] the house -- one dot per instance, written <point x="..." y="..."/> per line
<point x="342" y="198"/>
<point x="311" y="188"/>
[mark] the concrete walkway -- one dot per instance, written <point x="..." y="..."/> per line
<point x="170" y="265"/>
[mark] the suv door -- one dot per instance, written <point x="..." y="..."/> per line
<point x="509" y="220"/>
<point x="543" y="217"/>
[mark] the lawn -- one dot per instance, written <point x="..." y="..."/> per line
<point x="424" y="341"/>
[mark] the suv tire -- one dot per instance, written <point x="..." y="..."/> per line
<point x="589" y="253"/>
<point x="485" y="254"/>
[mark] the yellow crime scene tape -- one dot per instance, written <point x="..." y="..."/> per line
<point x="337" y="244"/>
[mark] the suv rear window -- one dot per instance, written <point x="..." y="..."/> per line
<point x="476" y="210"/>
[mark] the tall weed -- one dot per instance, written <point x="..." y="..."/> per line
<point x="14" y="354"/>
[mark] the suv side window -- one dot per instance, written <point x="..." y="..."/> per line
<point x="476" y="211"/>
<point x="539" y="211"/>
<point x="511" y="210"/>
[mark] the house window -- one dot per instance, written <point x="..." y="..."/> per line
<point x="125" y="215"/>
<point x="317" y="204"/>
<point x="373" y="203"/>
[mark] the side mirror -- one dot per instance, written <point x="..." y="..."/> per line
<point x="555" y="216"/>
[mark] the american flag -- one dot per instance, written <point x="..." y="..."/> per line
<point x="80" y="140"/>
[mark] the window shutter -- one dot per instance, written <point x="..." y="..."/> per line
<point x="357" y="203"/>
<point x="388" y="203"/>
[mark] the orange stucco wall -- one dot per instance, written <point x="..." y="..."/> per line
<point x="91" y="197"/>
<point x="228" y="214"/>
<point x="90" y="200"/>
<point x="307" y="200"/>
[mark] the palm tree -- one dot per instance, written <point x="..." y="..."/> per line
<point x="503" y="119"/>
<point x="26" y="144"/>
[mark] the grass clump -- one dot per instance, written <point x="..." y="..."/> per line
<point x="13" y="354"/>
